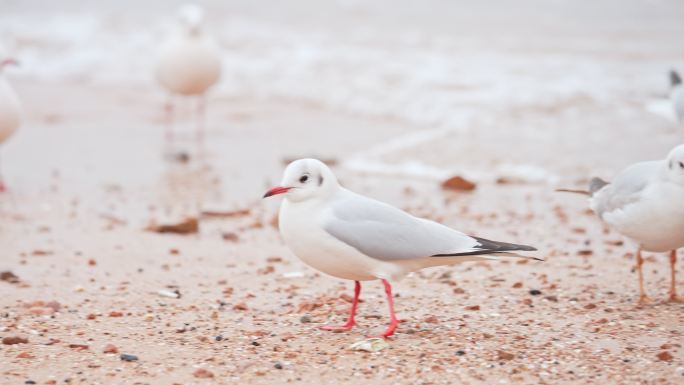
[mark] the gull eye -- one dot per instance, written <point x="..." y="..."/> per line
<point x="681" y="165"/>
<point x="303" y="178"/>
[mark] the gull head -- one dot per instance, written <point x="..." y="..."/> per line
<point x="191" y="17"/>
<point x="305" y="179"/>
<point x="675" y="165"/>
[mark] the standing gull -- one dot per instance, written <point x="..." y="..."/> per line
<point x="645" y="203"/>
<point x="349" y="236"/>
<point x="189" y="63"/>
<point x="10" y="111"/>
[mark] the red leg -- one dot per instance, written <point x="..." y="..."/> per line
<point x="673" y="282"/>
<point x="393" y="317"/>
<point x="169" y="112"/>
<point x="643" y="298"/>
<point x="3" y="188"/>
<point x="201" y="116"/>
<point x="350" y="321"/>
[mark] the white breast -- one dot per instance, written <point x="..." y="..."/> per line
<point x="302" y="229"/>
<point x="656" y="221"/>
<point x="10" y="112"/>
<point x="189" y="65"/>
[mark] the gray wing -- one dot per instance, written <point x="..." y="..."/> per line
<point x="626" y="188"/>
<point x="383" y="232"/>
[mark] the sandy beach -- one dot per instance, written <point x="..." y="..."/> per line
<point x="396" y="98"/>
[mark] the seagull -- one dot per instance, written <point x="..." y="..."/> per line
<point x="350" y="236"/>
<point x="10" y="111"/>
<point x="645" y="203"/>
<point x="189" y="63"/>
<point x="677" y="95"/>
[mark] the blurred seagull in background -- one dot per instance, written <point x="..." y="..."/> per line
<point x="677" y="95"/>
<point x="189" y="64"/>
<point x="645" y="203"/>
<point x="350" y="236"/>
<point x="10" y="110"/>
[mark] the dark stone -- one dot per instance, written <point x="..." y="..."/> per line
<point x="128" y="357"/>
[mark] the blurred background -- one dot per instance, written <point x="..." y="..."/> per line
<point x="543" y="90"/>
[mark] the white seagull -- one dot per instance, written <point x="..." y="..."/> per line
<point x="189" y="63"/>
<point x="10" y="110"/>
<point x="677" y="95"/>
<point x="645" y="203"/>
<point x="349" y="236"/>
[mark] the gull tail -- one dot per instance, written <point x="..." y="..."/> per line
<point x="675" y="79"/>
<point x="595" y="185"/>
<point x="493" y="249"/>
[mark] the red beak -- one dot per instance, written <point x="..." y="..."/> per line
<point x="8" y="62"/>
<point x="276" y="191"/>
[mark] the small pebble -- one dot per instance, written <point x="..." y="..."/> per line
<point x="203" y="373"/>
<point x="460" y="352"/>
<point x="278" y="365"/>
<point x="14" y="340"/>
<point x="29" y="382"/>
<point x="505" y="356"/>
<point x="256" y="343"/>
<point x="535" y="292"/>
<point x="219" y="338"/>
<point x="129" y="357"/>
<point x="305" y="319"/>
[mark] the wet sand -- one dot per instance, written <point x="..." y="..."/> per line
<point x="87" y="174"/>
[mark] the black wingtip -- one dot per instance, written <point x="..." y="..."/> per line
<point x="567" y="190"/>
<point x="487" y="246"/>
<point x="596" y="184"/>
<point x="675" y="79"/>
<point x="496" y="246"/>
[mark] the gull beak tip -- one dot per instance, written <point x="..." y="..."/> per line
<point x="9" y="61"/>
<point x="275" y="191"/>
